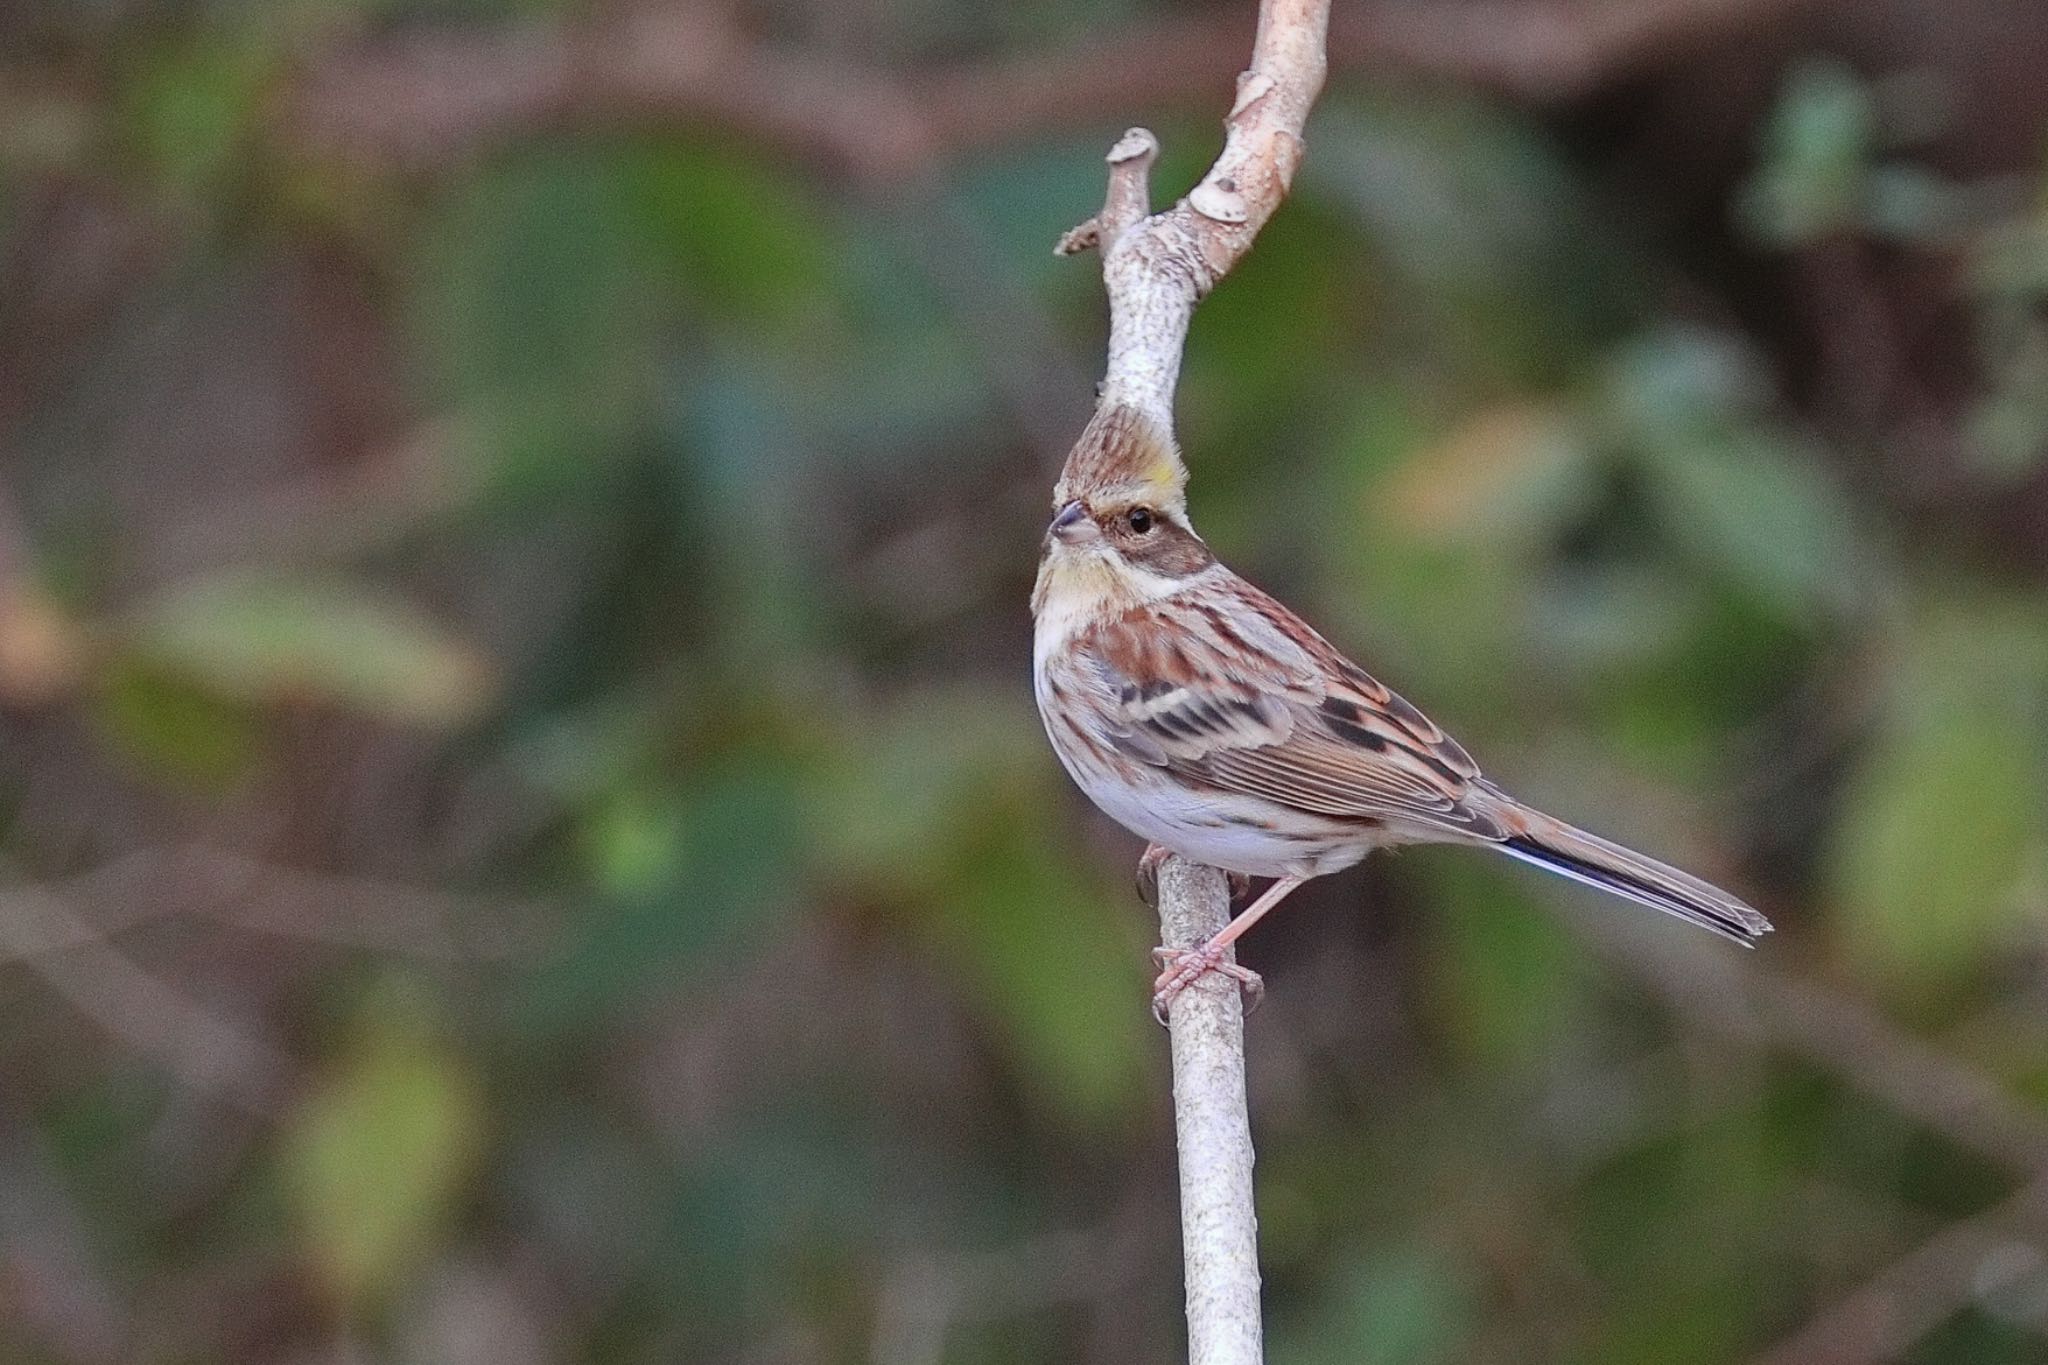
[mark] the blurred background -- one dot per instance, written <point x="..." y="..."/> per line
<point x="523" y="831"/>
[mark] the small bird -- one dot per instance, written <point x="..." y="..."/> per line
<point x="1202" y="714"/>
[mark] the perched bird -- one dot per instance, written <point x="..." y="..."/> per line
<point x="1202" y="714"/>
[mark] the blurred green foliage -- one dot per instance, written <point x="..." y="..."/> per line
<point x="373" y="1158"/>
<point x="584" y="577"/>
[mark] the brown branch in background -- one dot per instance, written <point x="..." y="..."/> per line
<point x="1997" y="1250"/>
<point x="197" y="882"/>
<point x="429" y="98"/>
<point x="924" y="1295"/>
<point x="1845" y="1038"/>
<point x="1542" y="52"/>
<point x="1943" y="1093"/>
<point x="380" y="496"/>
<point x="65" y="935"/>
<point x="188" y="1037"/>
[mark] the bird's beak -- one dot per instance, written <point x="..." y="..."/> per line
<point x="1072" y="525"/>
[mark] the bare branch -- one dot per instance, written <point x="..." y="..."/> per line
<point x="1219" y="1223"/>
<point x="1129" y="198"/>
<point x="1155" y="268"/>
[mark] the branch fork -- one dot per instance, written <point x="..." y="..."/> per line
<point x="1157" y="266"/>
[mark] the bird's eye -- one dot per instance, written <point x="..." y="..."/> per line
<point x="1141" y="519"/>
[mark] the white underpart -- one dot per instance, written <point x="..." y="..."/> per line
<point x="1240" y="833"/>
<point x="1198" y="825"/>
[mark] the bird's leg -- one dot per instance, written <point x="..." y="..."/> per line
<point x="1155" y="857"/>
<point x="1180" y="967"/>
<point x="1174" y="962"/>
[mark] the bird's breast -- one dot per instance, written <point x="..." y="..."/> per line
<point x="1237" y="832"/>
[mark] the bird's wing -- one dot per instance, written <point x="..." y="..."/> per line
<point x="1227" y="688"/>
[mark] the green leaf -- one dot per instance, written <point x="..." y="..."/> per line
<point x="1288" y="299"/>
<point x="1912" y="204"/>
<point x="531" y="310"/>
<point x="1506" y="973"/>
<point x="635" y="843"/>
<point x="910" y="794"/>
<point x="747" y="239"/>
<point x="947" y="810"/>
<point x="1713" y="661"/>
<point x="1668" y="385"/>
<point x="374" y="1157"/>
<point x="1499" y="262"/>
<point x="1811" y="179"/>
<point x="1941" y="817"/>
<point x="280" y="640"/>
<point x="1018" y="199"/>
<point x="1057" y="959"/>
<point x="168" y="724"/>
<point x="2008" y="424"/>
<point x="1764" y="512"/>
<point x="1407" y="1305"/>
<point x="1608" y="620"/>
<point x="2012" y="258"/>
<point x="192" y="106"/>
<point x="687" y="876"/>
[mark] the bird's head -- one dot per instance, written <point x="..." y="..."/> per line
<point x="1119" y="532"/>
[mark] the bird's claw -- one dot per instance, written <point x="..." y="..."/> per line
<point x="1149" y="863"/>
<point x="1182" y="967"/>
<point x="1155" y="857"/>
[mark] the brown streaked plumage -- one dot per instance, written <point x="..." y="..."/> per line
<point x="1203" y="714"/>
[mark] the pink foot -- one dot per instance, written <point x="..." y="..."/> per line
<point x="1182" y="967"/>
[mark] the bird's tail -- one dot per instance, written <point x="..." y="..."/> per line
<point x="1597" y="862"/>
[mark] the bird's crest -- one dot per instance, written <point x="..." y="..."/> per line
<point x="1124" y="455"/>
